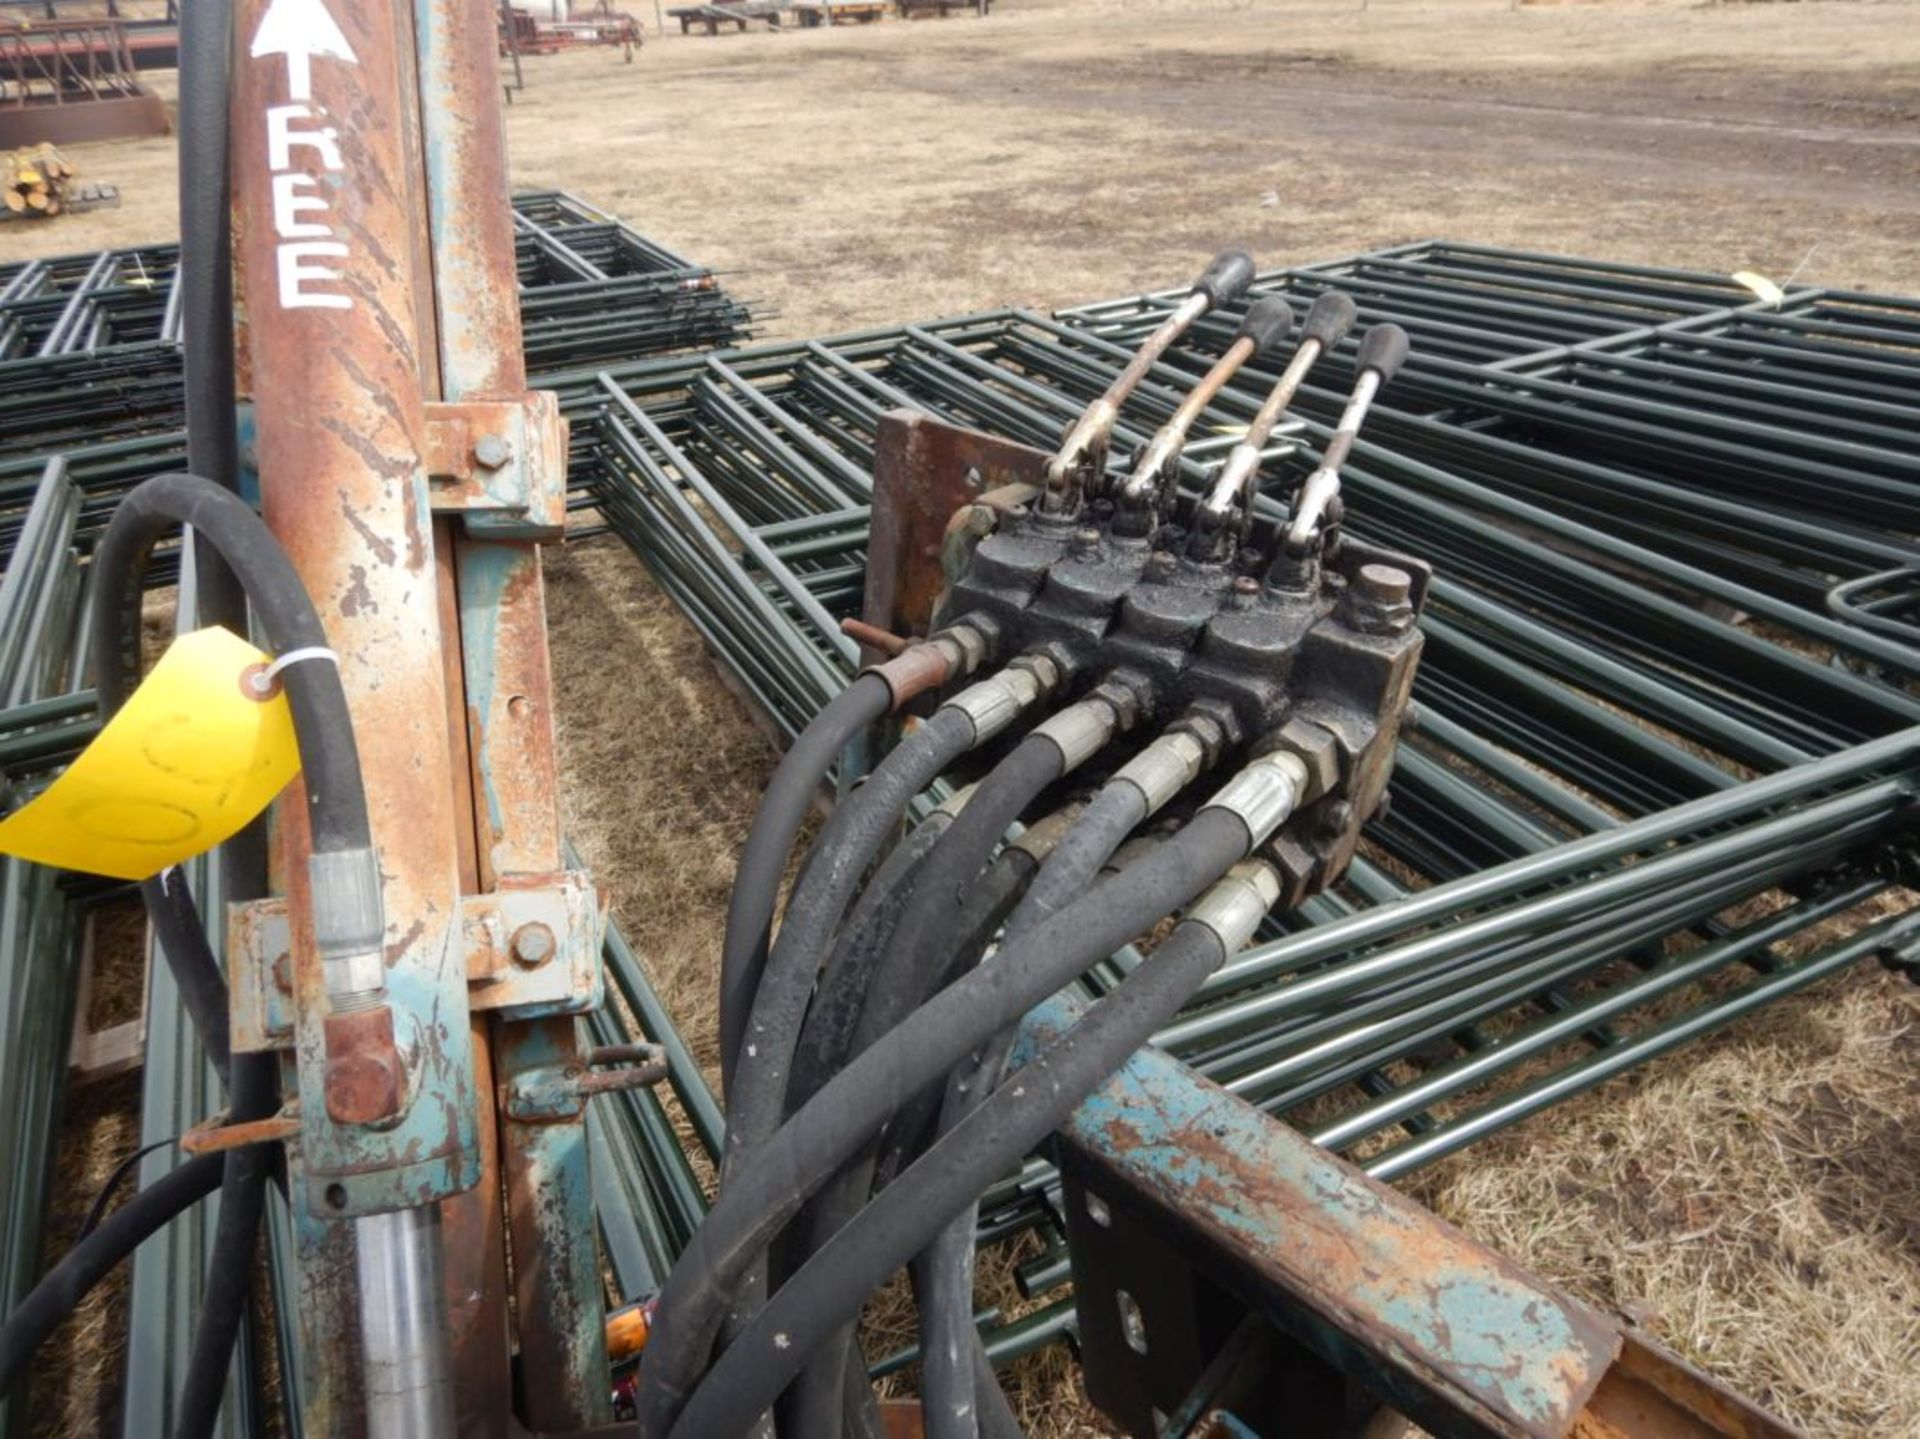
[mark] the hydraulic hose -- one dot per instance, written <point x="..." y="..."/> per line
<point x="840" y="857"/>
<point x="206" y="283"/>
<point x="933" y="942"/>
<point x="253" y="1094"/>
<point x="830" y="1128"/>
<point x="90" y="1260"/>
<point x="1036" y="1098"/>
<point x="190" y="959"/>
<point x="763" y="859"/>
<point x="337" y="812"/>
<point x="986" y="902"/>
<point x="952" y="1404"/>
<point x="323" y="728"/>
<point x="835" y="1011"/>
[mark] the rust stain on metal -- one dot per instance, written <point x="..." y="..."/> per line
<point x="365" y="1081"/>
<point x="216" y="1135"/>
<point x="924" y="470"/>
<point x="1363" y="1260"/>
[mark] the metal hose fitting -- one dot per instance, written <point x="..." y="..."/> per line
<point x="1263" y="794"/>
<point x="996" y="702"/>
<point x="1080" y="731"/>
<point x="1164" y="768"/>
<point x="1235" y="905"/>
<point x="349" y="928"/>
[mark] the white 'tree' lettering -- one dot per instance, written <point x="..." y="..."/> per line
<point x="296" y="275"/>
<point x="289" y="203"/>
<point x="282" y="138"/>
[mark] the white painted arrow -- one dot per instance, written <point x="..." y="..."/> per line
<point x="300" y="29"/>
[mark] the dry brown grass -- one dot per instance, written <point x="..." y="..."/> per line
<point x="1754" y="1202"/>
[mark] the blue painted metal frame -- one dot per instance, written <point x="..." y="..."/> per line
<point x="1447" y="1330"/>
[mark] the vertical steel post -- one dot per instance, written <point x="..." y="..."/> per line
<point x="508" y="704"/>
<point x="338" y="287"/>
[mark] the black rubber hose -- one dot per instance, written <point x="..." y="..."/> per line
<point x="1034" y="1100"/>
<point x="206" y="285"/>
<point x="90" y="1260"/>
<point x="835" y="1010"/>
<point x="822" y="1050"/>
<point x="323" y="727"/>
<point x="213" y="450"/>
<point x="190" y="960"/>
<point x="950" y="1403"/>
<point x="848" y="843"/>
<point x="763" y="859"/>
<point x="840" y="855"/>
<point x="932" y="939"/>
<point x="807" y="1150"/>
<point x="254" y="1094"/>
<point x="337" y="812"/>
<point x="817" y="1395"/>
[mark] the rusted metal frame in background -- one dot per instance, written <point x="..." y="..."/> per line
<point x="508" y="710"/>
<point x="1191" y="1215"/>
<point x="340" y="350"/>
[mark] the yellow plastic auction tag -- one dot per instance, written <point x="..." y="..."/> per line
<point x="189" y="759"/>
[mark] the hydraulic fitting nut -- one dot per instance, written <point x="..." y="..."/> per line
<point x="1039" y="838"/>
<point x="1165" y="767"/>
<point x="1235" y="905"/>
<point x="1079" y="731"/>
<point x="1317" y="750"/>
<point x="1208" y="729"/>
<point x="1263" y="794"/>
<point x="995" y="703"/>
<point x="365" y="1079"/>
<point x="965" y="645"/>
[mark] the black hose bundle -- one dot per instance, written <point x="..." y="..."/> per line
<point x="931" y="1013"/>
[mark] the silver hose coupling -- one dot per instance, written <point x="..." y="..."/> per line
<point x="996" y="702"/>
<point x="1164" y="768"/>
<point x="1237" y="902"/>
<point x="1080" y="731"/>
<point x="1263" y="794"/>
<point x="349" y="927"/>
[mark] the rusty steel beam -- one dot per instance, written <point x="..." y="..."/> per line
<point x="341" y="341"/>
<point x="1188" y="1210"/>
<point x="508" y="706"/>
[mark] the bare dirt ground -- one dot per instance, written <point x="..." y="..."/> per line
<point x="1753" y="1199"/>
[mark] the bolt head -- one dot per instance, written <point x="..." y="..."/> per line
<point x="365" y="1081"/>
<point x="1384" y="584"/>
<point x="490" y="452"/>
<point x="533" y="944"/>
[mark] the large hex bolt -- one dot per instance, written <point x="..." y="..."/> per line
<point x="1318" y="750"/>
<point x="1379" y="601"/>
<point x="366" y="1081"/>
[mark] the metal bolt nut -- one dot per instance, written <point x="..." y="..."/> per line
<point x="1384" y="584"/>
<point x="365" y="1079"/>
<point x="490" y="452"/>
<point x="1378" y="603"/>
<point x="532" y="944"/>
